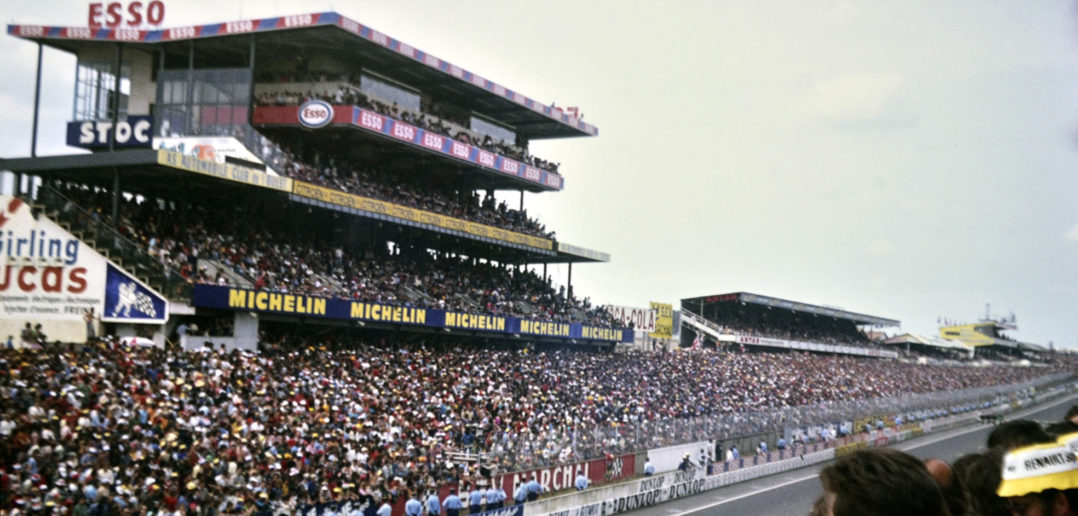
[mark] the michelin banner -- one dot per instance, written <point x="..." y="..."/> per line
<point x="230" y="298"/>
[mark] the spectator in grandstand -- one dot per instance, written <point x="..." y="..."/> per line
<point x="649" y="468"/>
<point x="1072" y="414"/>
<point x="881" y="482"/>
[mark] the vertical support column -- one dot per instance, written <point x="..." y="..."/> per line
<point x="545" y="277"/>
<point x="117" y="70"/>
<point x="245" y="330"/>
<point x="190" y="98"/>
<point x="115" y="197"/>
<point x="37" y="106"/>
<point x="251" y="86"/>
<point x="521" y="199"/>
<point x="569" y="287"/>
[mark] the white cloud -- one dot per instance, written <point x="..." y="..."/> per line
<point x="880" y="247"/>
<point x="862" y="100"/>
<point x="1071" y="234"/>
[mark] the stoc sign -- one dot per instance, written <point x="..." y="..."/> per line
<point x="115" y="14"/>
<point x="133" y="132"/>
<point x="315" y="114"/>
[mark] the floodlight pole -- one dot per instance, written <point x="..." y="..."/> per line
<point x="37" y="103"/>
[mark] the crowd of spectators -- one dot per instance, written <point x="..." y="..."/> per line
<point x="273" y="253"/>
<point x="341" y="89"/>
<point x="305" y="421"/>
<point x="379" y="184"/>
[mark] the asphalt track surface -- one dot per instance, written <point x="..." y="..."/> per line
<point x="792" y="493"/>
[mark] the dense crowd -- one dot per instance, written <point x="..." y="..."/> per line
<point x="304" y="421"/>
<point x="273" y="254"/>
<point x="395" y="188"/>
<point x="341" y="89"/>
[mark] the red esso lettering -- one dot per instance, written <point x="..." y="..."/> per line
<point x="315" y="113"/>
<point x="47" y="279"/>
<point x="113" y="14"/>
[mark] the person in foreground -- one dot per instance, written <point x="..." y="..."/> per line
<point x="879" y="482"/>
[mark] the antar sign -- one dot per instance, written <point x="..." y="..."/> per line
<point x="115" y="14"/>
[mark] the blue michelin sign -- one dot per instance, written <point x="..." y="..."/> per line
<point x="248" y="300"/>
<point x="133" y="131"/>
<point x="127" y="300"/>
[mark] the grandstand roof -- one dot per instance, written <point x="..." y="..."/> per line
<point x="228" y="44"/>
<point x="161" y="172"/>
<point x="774" y="302"/>
<point x="936" y="342"/>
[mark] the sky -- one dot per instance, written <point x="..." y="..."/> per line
<point x="910" y="160"/>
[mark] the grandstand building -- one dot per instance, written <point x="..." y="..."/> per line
<point x="302" y="171"/>
<point x="986" y="338"/>
<point x="750" y="320"/>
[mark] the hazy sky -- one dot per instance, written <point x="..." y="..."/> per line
<point x="904" y="159"/>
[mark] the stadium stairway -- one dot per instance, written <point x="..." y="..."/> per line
<point x="212" y="267"/>
<point x="105" y="239"/>
<point x="700" y="324"/>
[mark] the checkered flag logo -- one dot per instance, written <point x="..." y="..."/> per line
<point x="130" y="298"/>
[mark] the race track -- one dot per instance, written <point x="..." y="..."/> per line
<point x="792" y="493"/>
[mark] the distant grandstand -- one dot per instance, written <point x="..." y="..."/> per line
<point x="749" y="320"/>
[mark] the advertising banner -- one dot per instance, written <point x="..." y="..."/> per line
<point x="231" y="298"/>
<point x="207" y="148"/>
<point x="48" y="276"/>
<point x="45" y="273"/>
<point x="133" y="131"/>
<point x="347" y="200"/>
<point x="557" y="478"/>
<point x="375" y="122"/>
<point x="128" y="300"/>
<point x="640" y="319"/>
<point x="226" y="171"/>
<point x="664" y="321"/>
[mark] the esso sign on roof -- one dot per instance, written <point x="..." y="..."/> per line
<point x="315" y="114"/>
<point x="132" y="14"/>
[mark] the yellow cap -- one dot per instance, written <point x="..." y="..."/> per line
<point x="1032" y="469"/>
